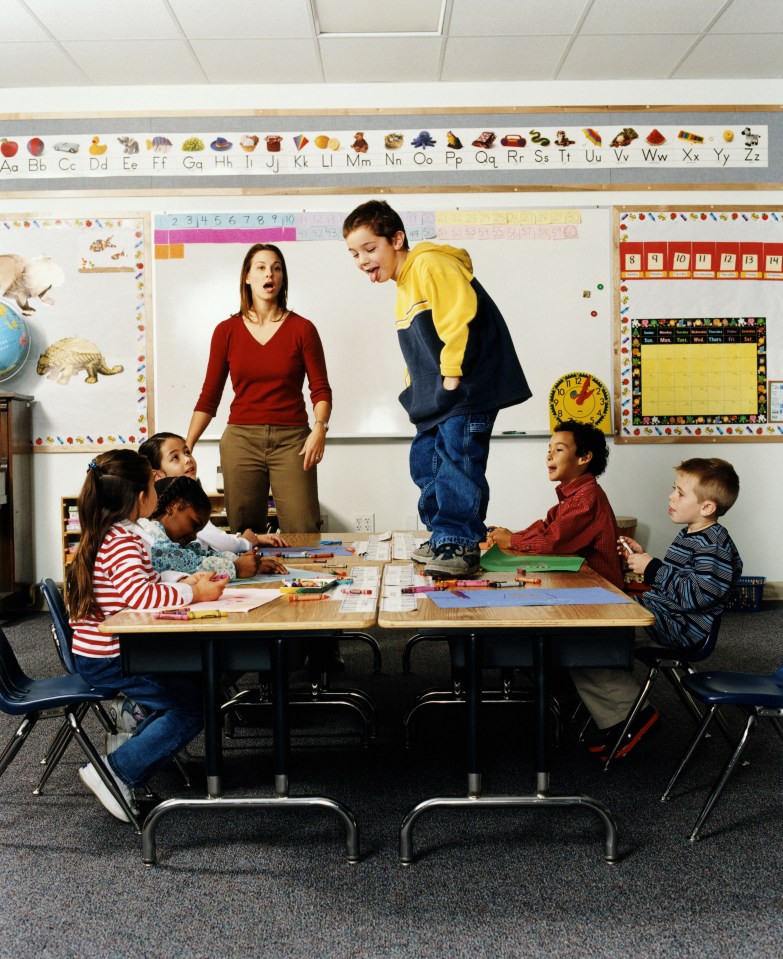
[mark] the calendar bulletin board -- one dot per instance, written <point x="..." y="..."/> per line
<point x="698" y="324"/>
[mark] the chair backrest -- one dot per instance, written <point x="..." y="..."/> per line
<point x="61" y="627"/>
<point x="13" y="680"/>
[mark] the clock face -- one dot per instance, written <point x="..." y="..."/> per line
<point x="581" y="397"/>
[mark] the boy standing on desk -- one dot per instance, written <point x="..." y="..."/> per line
<point x="462" y="369"/>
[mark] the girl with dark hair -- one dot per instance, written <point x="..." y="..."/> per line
<point x="111" y="571"/>
<point x="182" y="512"/>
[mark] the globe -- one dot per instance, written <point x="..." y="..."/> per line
<point x="14" y="342"/>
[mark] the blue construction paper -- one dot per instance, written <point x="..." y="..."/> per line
<point x="531" y="596"/>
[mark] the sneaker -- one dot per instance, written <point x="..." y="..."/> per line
<point x="450" y="561"/>
<point x="423" y="553"/>
<point x="103" y="794"/>
<point x="113" y="741"/>
<point x="602" y="740"/>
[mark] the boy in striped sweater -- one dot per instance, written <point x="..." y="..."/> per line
<point x="689" y="589"/>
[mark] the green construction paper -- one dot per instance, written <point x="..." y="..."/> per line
<point x="496" y="561"/>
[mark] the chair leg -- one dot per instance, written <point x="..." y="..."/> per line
<point x="16" y="742"/>
<point x="690" y="750"/>
<point x="55" y="753"/>
<point x="94" y="758"/>
<point x="104" y="718"/>
<point x="724" y="777"/>
<point x="651" y="677"/>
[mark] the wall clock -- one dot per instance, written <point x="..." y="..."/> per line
<point x="581" y="397"/>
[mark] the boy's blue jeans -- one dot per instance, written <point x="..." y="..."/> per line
<point x="449" y="463"/>
<point x="176" y="715"/>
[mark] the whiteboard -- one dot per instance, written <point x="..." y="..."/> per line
<point x="547" y="289"/>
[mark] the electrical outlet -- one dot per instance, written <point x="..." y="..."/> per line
<point x="364" y="522"/>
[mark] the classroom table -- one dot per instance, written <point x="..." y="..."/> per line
<point x="238" y="642"/>
<point x="534" y="627"/>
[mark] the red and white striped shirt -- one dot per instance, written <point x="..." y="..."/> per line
<point x="123" y="576"/>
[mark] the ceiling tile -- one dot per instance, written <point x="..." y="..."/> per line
<point x="359" y="16"/>
<point x="19" y="25"/>
<point x="138" y="62"/>
<point x="502" y="58"/>
<point x="206" y="19"/>
<point x="623" y="57"/>
<point x="118" y="20"/>
<point x="734" y="56"/>
<point x="507" y="18"/>
<point x="662" y="17"/>
<point x="37" y="65"/>
<point x="380" y="59"/>
<point x="750" y="16"/>
<point x="259" y="61"/>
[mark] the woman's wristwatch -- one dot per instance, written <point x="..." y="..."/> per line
<point x="324" y="424"/>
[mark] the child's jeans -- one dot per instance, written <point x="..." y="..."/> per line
<point x="449" y="463"/>
<point x="176" y="715"/>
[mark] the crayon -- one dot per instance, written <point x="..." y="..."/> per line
<point x="306" y="597"/>
<point x="528" y="579"/>
<point x="464" y="582"/>
<point x="207" y="614"/>
<point x="358" y="592"/>
<point x="458" y="592"/>
<point x="421" y="589"/>
<point x="330" y="542"/>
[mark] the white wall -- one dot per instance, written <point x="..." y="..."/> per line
<point x="372" y="476"/>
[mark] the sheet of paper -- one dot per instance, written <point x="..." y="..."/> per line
<point x="535" y="596"/>
<point x="235" y="600"/>
<point x="365" y="576"/>
<point x="298" y="552"/>
<point x="403" y="544"/>
<point x="402" y="575"/>
<point x="399" y="602"/>
<point x="358" y="604"/>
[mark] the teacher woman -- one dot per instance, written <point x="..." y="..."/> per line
<point x="268" y="443"/>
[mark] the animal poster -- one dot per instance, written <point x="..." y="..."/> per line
<point x="75" y="328"/>
<point x="699" y="333"/>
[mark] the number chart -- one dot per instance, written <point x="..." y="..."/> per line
<point x="698" y="323"/>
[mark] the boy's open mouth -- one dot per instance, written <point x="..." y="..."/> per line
<point x="373" y="274"/>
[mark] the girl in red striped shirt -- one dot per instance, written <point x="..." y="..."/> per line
<point x="112" y="571"/>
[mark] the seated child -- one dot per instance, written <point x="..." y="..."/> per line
<point x="169" y="455"/>
<point x="581" y="523"/>
<point x="110" y="571"/>
<point x="183" y="510"/>
<point x="689" y="588"/>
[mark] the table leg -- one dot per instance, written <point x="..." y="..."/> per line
<point x="281" y="735"/>
<point x="472" y="645"/>
<point x="541" y="673"/>
<point x="213" y="746"/>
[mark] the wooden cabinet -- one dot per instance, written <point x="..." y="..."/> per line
<point x="17" y="567"/>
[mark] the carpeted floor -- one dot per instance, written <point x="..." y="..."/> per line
<point x="512" y="883"/>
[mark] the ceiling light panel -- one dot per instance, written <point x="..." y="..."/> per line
<point x="358" y="16"/>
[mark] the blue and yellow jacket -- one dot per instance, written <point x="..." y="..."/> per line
<point x="448" y="325"/>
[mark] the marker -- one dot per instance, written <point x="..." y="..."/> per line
<point x="626" y="547"/>
<point x="505" y="585"/>
<point x="306" y="597"/>
<point x="513" y="433"/>
<point x="528" y="579"/>
<point x="358" y="592"/>
<point x="463" y="582"/>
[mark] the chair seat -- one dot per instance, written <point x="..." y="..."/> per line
<point x="654" y="655"/>
<point x="30" y="695"/>
<point x="748" y="689"/>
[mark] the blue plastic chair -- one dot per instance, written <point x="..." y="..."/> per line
<point x="676" y="663"/>
<point x="62" y="634"/>
<point x="761" y="696"/>
<point x="33" y="699"/>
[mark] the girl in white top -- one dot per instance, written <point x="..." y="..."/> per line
<point x="169" y="455"/>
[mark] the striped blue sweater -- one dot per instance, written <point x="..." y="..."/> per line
<point x="692" y="585"/>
